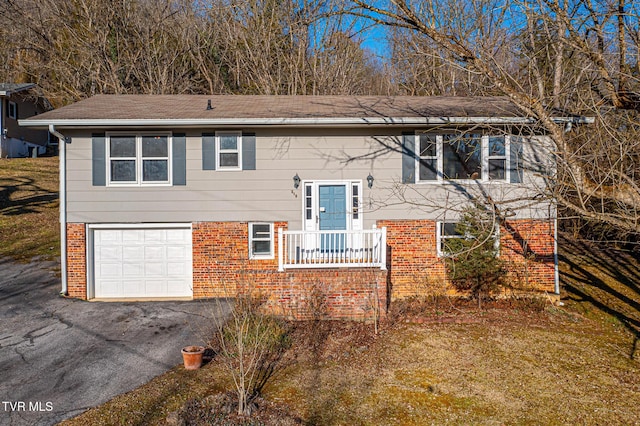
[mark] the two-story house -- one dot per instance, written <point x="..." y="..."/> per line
<point x="352" y="198"/>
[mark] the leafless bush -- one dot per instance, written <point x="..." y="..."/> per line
<point x="249" y="346"/>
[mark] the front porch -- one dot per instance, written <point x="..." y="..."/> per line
<point x="332" y="249"/>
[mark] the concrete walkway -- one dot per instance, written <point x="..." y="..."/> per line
<point x="59" y="357"/>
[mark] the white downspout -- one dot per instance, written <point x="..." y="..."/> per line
<point x="62" y="154"/>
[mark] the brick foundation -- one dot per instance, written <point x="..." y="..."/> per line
<point x="414" y="267"/>
<point x="528" y="246"/>
<point x="222" y="268"/>
<point x="76" y="260"/>
<point x="416" y="270"/>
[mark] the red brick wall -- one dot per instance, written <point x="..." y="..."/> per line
<point x="414" y="267"/>
<point x="221" y="261"/>
<point x="222" y="268"/>
<point x="528" y="246"/>
<point x="338" y="293"/>
<point x="76" y="260"/>
<point x="416" y="270"/>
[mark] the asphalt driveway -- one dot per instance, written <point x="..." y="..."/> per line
<point x="59" y="357"/>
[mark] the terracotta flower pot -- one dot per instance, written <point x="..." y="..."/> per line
<point x="192" y="357"/>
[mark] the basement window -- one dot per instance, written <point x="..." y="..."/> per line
<point x="261" y="241"/>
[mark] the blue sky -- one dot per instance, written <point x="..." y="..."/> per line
<point x="374" y="39"/>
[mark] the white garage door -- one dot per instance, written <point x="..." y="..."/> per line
<point x="140" y="263"/>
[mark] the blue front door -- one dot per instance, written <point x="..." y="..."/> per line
<point x="333" y="216"/>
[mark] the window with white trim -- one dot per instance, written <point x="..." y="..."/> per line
<point x="308" y="201"/>
<point x="445" y="233"/>
<point x="428" y="152"/>
<point x="448" y="231"/>
<point x="497" y="158"/>
<point x="139" y="159"/>
<point x="355" y="200"/>
<point x="464" y="156"/>
<point x="261" y="241"/>
<point x="229" y="150"/>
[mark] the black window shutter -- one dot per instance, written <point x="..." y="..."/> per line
<point x="208" y="151"/>
<point x="248" y="151"/>
<point x="408" y="157"/>
<point x="98" y="159"/>
<point x="179" y="152"/>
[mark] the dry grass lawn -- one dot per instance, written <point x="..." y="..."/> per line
<point x="29" y="224"/>
<point x="515" y="362"/>
<point x="562" y="370"/>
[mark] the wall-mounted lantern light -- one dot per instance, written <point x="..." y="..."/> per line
<point x="369" y="181"/>
<point x="296" y="181"/>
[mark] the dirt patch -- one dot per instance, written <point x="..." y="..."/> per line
<point x="219" y="409"/>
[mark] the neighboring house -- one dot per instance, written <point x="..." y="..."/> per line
<point x="306" y="199"/>
<point x="18" y="101"/>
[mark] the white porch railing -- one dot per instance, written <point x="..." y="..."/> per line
<point x="330" y="249"/>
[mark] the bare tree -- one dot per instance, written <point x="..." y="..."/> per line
<point x="551" y="58"/>
<point x="249" y="345"/>
<point x="77" y="48"/>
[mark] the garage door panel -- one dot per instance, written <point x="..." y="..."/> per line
<point x="154" y="269"/>
<point x="142" y="263"/>
<point x="178" y="235"/>
<point x="178" y="287"/>
<point x="106" y="237"/>
<point x="130" y="236"/>
<point x="155" y="236"/>
<point x="109" y="270"/>
<point x="133" y="254"/>
<point x="132" y="270"/>
<point x="159" y="286"/>
<point x="110" y="253"/>
<point x="110" y="288"/>
<point x="177" y="269"/>
<point x="155" y="253"/>
<point x="133" y="288"/>
<point x="178" y="253"/>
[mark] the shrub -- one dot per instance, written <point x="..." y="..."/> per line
<point x="250" y="345"/>
<point x="472" y="258"/>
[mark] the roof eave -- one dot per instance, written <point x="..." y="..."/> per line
<point x="19" y="89"/>
<point x="298" y="122"/>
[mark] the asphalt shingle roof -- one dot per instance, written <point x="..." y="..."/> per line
<point x="178" y="107"/>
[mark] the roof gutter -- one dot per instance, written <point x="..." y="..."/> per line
<point x="62" y="155"/>
<point x="311" y="121"/>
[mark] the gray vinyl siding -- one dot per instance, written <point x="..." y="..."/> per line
<point x="267" y="193"/>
